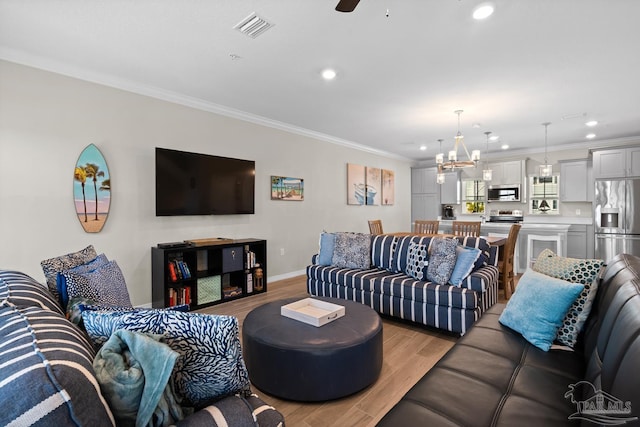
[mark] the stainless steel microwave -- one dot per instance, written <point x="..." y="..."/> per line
<point x="504" y="193"/>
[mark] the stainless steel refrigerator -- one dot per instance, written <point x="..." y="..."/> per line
<point x="617" y="217"/>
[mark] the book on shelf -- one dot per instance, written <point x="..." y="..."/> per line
<point x="250" y="260"/>
<point x="249" y="282"/>
<point x="179" y="296"/>
<point x="178" y="270"/>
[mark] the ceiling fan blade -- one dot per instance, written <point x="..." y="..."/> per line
<point x="347" y="5"/>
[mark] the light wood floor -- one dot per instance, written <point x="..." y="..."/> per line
<point x="409" y="351"/>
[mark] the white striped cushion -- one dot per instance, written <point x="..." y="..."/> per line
<point x="46" y="371"/>
<point x="236" y="411"/>
<point x="23" y="291"/>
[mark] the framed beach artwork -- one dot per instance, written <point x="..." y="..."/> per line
<point x="373" y="181"/>
<point x="355" y="184"/>
<point x="287" y="188"/>
<point x="388" y="187"/>
<point x="92" y="189"/>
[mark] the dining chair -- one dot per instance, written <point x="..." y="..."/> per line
<point x="466" y="228"/>
<point x="426" y="227"/>
<point x="375" y="226"/>
<point x="506" y="278"/>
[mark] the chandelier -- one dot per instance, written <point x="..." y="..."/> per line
<point x="452" y="162"/>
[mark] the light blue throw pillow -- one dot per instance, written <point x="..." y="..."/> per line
<point x="465" y="262"/>
<point x="327" y="245"/>
<point x="538" y="306"/>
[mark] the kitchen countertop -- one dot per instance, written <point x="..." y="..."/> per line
<point x="531" y="220"/>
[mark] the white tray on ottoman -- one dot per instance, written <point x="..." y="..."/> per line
<point x="312" y="311"/>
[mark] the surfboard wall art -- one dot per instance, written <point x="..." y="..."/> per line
<point x="92" y="189"/>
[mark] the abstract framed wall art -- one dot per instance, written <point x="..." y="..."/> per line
<point x="388" y="187"/>
<point x="355" y="184"/>
<point x="373" y="181"/>
<point x="287" y="188"/>
<point x="92" y="189"/>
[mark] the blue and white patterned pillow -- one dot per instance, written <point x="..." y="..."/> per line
<point x="210" y="364"/>
<point x="442" y="260"/>
<point x="417" y="261"/>
<point x="61" y="283"/>
<point x="352" y="250"/>
<point x="51" y="266"/>
<point x="105" y="285"/>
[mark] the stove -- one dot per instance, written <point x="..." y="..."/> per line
<point x="513" y="216"/>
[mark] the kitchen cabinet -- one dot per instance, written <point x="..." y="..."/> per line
<point x="616" y="163"/>
<point x="425" y="194"/>
<point x="450" y="190"/>
<point x="507" y="173"/>
<point x="423" y="180"/>
<point x="574" y="181"/>
<point x="577" y="242"/>
<point x="425" y="206"/>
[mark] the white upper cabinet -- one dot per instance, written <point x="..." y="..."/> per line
<point x="450" y="190"/>
<point x="507" y="173"/>
<point x="574" y="178"/>
<point x="616" y="163"/>
<point x="423" y="180"/>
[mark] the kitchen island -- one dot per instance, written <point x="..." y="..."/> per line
<point x="576" y="238"/>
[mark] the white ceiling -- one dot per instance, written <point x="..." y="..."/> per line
<point x="399" y="77"/>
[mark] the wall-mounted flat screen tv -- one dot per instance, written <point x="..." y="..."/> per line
<point x="202" y="184"/>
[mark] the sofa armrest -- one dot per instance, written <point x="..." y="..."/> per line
<point x="314" y="259"/>
<point x="481" y="279"/>
<point x="235" y="411"/>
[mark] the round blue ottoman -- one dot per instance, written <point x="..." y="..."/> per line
<point x="293" y="360"/>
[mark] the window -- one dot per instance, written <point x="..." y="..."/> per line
<point x="473" y="196"/>
<point x="545" y="195"/>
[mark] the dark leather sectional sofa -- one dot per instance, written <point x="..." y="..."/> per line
<point x="494" y="377"/>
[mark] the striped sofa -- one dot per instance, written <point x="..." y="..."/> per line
<point x="388" y="290"/>
<point x="46" y="369"/>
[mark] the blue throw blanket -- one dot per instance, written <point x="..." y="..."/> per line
<point x="133" y="370"/>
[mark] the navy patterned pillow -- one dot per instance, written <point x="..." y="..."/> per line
<point x="105" y="285"/>
<point x="442" y="260"/>
<point x="417" y="261"/>
<point x="401" y="252"/>
<point x="352" y="250"/>
<point x="61" y="283"/>
<point x="23" y="291"/>
<point x="51" y="266"/>
<point x="47" y="376"/>
<point x="211" y="364"/>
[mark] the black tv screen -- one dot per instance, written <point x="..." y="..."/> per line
<point x="201" y="184"/>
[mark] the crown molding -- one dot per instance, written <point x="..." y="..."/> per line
<point x="57" y="67"/>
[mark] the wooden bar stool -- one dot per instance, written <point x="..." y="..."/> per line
<point x="375" y="226"/>
<point x="466" y="228"/>
<point x="425" y="227"/>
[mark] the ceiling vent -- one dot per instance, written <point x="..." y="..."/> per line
<point x="253" y="25"/>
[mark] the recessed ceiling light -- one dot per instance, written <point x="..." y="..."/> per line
<point x="329" y="74"/>
<point x="591" y="123"/>
<point x="494" y="137"/>
<point x="590" y="135"/>
<point x="505" y="146"/>
<point x="423" y="147"/>
<point x="483" y="11"/>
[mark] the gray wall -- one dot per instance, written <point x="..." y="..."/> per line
<point x="46" y="120"/>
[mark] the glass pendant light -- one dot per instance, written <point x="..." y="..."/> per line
<point x="487" y="174"/>
<point x="545" y="169"/>
<point x="440" y="161"/>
